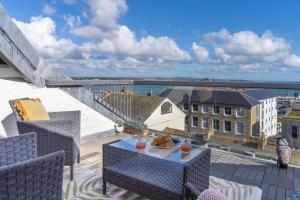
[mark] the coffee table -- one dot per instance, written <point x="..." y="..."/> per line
<point x="154" y="173"/>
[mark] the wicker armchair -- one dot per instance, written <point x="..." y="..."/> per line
<point x="61" y="132"/>
<point x="24" y="175"/>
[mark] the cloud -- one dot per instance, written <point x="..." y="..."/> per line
<point x="200" y="52"/>
<point x="223" y="34"/>
<point x="72" y="21"/>
<point x="292" y="61"/>
<point x="106" y="12"/>
<point x="246" y="50"/>
<point x="48" y="10"/>
<point x="106" y="36"/>
<point x="106" y="44"/>
<point x="40" y="31"/>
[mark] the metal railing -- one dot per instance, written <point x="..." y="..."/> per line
<point x="116" y="98"/>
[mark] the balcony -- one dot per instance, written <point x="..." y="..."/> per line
<point x="275" y="183"/>
<point x="231" y="158"/>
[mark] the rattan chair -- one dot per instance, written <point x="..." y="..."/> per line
<point x="61" y="132"/>
<point x="24" y="175"/>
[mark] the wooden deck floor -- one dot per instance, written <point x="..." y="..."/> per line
<point x="276" y="183"/>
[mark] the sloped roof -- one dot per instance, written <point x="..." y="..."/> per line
<point x="141" y="107"/>
<point x="260" y="94"/>
<point x="225" y="96"/>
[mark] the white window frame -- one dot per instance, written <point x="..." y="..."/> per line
<point x="225" y="111"/>
<point x="225" y="126"/>
<point x="238" y="133"/>
<point x="202" y="122"/>
<point x="204" y="105"/>
<point x="213" y="125"/>
<point x="193" y="107"/>
<point x="213" y="110"/>
<point x="193" y="121"/>
<point x="238" y="112"/>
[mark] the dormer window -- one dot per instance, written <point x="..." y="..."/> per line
<point x="166" y="108"/>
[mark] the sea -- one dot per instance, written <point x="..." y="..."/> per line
<point x="157" y="89"/>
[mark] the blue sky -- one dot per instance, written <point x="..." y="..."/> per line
<point x="256" y="40"/>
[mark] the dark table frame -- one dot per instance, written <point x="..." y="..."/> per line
<point x="151" y="177"/>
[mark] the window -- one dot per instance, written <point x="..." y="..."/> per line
<point x="195" y="121"/>
<point x="227" y="111"/>
<point x="240" y="112"/>
<point x="227" y="126"/>
<point x="239" y="128"/>
<point x="205" y="108"/>
<point x="185" y="106"/>
<point x="186" y="120"/>
<point x="216" y="124"/>
<point x="216" y="109"/>
<point x="166" y="108"/>
<point x="294" y="131"/>
<point x="195" y="107"/>
<point x="205" y="123"/>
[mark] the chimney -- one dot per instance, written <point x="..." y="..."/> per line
<point x="149" y="93"/>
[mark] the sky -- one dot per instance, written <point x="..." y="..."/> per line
<point x="251" y="40"/>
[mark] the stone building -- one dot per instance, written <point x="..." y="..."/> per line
<point x="229" y="113"/>
<point x="291" y="128"/>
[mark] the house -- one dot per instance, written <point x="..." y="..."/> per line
<point x="154" y="111"/>
<point x="236" y="114"/>
<point x="291" y="128"/>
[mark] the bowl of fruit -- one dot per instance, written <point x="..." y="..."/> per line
<point x="163" y="142"/>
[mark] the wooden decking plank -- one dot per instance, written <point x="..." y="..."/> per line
<point x="276" y="183"/>
<point x="297" y="179"/>
<point x="290" y="172"/>
<point x="272" y="192"/>
<point x="289" y="193"/>
<point x="259" y="177"/>
<point x="280" y="195"/>
<point x="268" y="169"/>
<point x="275" y="170"/>
<point x="239" y="171"/>
<point x="282" y="172"/>
<point x="252" y="174"/>
<point x="264" y="188"/>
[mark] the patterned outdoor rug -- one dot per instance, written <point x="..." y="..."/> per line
<point x="87" y="185"/>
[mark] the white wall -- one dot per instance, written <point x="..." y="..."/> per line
<point x="8" y="72"/>
<point x="53" y="99"/>
<point x="174" y="120"/>
<point x="268" y="116"/>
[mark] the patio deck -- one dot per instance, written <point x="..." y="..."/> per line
<point x="276" y="184"/>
